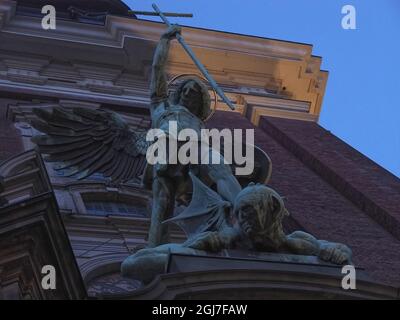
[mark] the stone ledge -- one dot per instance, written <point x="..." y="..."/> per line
<point x="274" y="277"/>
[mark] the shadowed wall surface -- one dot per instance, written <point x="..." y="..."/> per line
<point x="315" y="202"/>
<point x="10" y="138"/>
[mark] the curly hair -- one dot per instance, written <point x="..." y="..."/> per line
<point x="205" y="110"/>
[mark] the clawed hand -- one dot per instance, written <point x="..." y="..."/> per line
<point x="336" y="253"/>
<point x="208" y="241"/>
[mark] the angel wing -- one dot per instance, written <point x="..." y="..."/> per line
<point x="90" y="141"/>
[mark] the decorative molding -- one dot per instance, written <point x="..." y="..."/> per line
<point x="238" y="279"/>
<point x="257" y="112"/>
<point x="111" y="284"/>
<point x="32" y="234"/>
<point x="257" y="106"/>
<point x="102" y="264"/>
<point x="100" y="190"/>
<point x="7" y="10"/>
<point x="111" y="63"/>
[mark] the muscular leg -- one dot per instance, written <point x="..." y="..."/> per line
<point x="162" y="209"/>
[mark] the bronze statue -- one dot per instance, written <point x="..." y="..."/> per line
<point x="92" y="141"/>
<point x="219" y="214"/>
<point x="189" y="106"/>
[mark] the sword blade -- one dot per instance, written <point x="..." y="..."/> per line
<point x="197" y="62"/>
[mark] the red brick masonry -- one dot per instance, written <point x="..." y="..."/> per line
<point x="331" y="190"/>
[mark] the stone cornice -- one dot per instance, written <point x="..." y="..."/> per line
<point x="227" y="278"/>
<point x="110" y="64"/>
<point x="118" y="29"/>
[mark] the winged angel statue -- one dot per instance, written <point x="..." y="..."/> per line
<point x="220" y="215"/>
<point x="100" y="141"/>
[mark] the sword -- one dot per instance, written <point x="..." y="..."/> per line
<point x="167" y="14"/>
<point x="201" y="67"/>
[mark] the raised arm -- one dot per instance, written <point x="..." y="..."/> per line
<point x="158" y="84"/>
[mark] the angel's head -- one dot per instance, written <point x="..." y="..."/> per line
<point x="259" y="211"/>
<point x="193" y="94"/>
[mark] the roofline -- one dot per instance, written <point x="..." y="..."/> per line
<point x="237" y="34"/>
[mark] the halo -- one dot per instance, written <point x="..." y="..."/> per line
<point x="204" y="80"/>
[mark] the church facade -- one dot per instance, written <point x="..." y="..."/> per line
<point x="99" y="56"/>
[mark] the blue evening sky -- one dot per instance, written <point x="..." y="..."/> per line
<point x="362" y="99"/>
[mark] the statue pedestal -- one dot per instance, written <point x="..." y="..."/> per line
<point x="240" y="260"/>
<point x="247" y="275"/>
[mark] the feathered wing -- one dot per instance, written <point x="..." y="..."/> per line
<point x="91" y="141"/>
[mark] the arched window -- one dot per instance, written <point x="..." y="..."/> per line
<point x="104" y="208"/>
<point x="104" y="204"/>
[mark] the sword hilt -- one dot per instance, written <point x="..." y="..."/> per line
<point x="196" y="61"/>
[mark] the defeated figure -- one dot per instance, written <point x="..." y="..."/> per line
<point x="252" y="223"/>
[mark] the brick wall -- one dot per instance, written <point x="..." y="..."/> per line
<point x="369" y="186"/>
<point x="316" y="204"/>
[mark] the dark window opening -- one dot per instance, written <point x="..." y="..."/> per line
<point x="105" y="208"/>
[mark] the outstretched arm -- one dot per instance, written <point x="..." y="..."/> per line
<point x="214" y="241"/>
<point x="300" y="242"/>
<point x="158" y="84"/>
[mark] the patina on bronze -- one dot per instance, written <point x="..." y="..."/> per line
<point x="220" y="214"/>
<point x="228" y="218"/>
<point x="189" y="106"/>
<point x="253" y="223"/>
